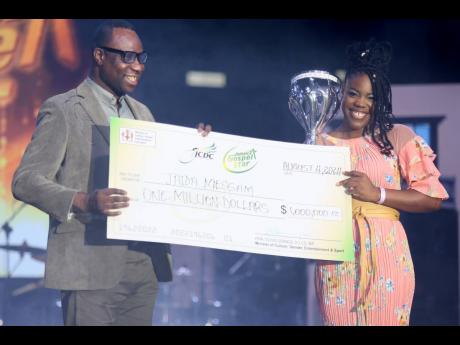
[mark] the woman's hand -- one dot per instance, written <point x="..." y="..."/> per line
<point x="360" y="187"/>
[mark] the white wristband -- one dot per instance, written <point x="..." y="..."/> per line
<point x="383" y="196"/>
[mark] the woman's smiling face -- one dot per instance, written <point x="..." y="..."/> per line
<point x="357" y="104"/>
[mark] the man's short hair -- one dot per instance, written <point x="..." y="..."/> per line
<point x="103" y="33"/>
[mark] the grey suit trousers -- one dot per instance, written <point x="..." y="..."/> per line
<point x="129" y="303"/>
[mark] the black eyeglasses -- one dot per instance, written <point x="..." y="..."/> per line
<point x="128" y="56"/>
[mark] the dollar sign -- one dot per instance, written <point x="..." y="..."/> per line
<point x="283" y="209"/>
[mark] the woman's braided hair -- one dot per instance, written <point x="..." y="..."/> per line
<point x="373" y="58"/>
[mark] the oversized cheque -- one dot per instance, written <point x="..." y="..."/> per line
<point x="229" y="192"/>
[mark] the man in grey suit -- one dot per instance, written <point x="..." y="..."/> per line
<point x="64" y="172"/>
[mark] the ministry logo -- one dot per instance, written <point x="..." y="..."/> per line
<point x="126" y="136"/>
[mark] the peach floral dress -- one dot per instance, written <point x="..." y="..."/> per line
<point x="391" y="292"/>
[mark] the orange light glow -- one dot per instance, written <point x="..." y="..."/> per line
<point x="22" y="45"/>
<point x="65" y="43"/>
<point x="8" y="44"/>
<point x="8" y="91"/>
<point x="33" y="45"/>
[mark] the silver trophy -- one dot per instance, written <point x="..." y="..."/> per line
<point x="314" y="99"/>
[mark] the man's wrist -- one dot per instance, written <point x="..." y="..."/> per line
<point x="81" y="203"/>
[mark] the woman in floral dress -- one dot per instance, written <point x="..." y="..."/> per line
<point x="378" y="287"/>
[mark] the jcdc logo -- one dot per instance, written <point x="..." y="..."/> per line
<point x="200" y="153"/>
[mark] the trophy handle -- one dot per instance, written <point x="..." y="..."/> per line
<point x="331" y="98"/>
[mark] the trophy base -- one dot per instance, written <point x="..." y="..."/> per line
<point x="310" y="139"/>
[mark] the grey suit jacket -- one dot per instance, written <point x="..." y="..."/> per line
<point x="69" y="152"/>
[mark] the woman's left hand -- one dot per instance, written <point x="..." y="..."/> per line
<point x="360" y="187"/>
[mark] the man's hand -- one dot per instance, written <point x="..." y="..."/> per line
<point x="106" y="201"/>
<point x="204" y="130"/>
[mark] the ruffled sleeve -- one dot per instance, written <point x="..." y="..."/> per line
<point x="417" y="168"/>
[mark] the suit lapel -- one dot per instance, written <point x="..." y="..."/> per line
<point x="92" y="108"/>
<point x="138" y="115"/>
<point x="139" y="111"/>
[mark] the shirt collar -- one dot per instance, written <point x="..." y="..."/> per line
<point x="103" y="95"/>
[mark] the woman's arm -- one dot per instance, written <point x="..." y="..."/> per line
<point x="411" y="201"/>
<point x="361" y="188"/>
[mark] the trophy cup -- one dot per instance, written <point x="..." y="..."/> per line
<point x="314" y="100"/>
